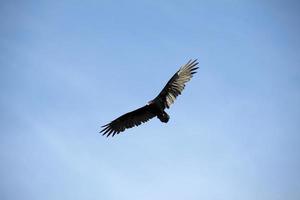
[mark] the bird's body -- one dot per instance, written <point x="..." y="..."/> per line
<point x="155" y="107"/>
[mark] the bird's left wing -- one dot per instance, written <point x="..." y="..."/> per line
<point x="176" y="84"/>
<point x="128" y="120"/>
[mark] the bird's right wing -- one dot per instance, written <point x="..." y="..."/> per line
<point x="128" y="120"/>
<point x="176" y="84"/>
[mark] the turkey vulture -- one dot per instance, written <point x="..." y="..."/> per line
<point x="155" y="107"/>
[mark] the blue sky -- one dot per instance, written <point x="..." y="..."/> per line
<point x="68" y="67"/>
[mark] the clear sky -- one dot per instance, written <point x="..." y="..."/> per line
<point x="68" y="67"/>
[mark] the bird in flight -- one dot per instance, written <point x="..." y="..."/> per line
<point x="155" y="107"/>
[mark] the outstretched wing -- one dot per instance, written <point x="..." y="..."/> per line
<point x="128" y="120"/>
<point x="176" y="84"/>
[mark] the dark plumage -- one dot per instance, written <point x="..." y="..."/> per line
<point x="156" y="107"/>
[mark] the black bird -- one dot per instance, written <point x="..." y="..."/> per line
<point x="156" y="106"/>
